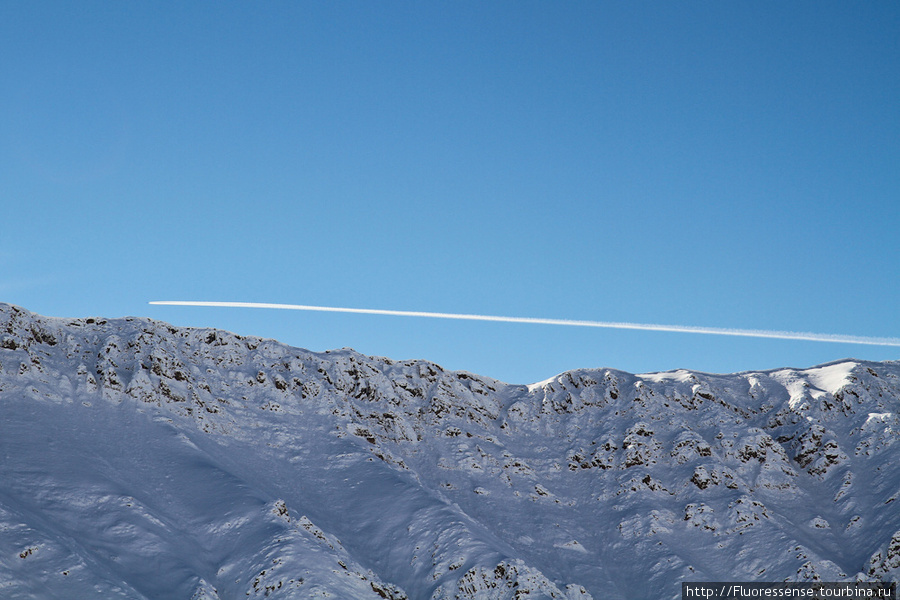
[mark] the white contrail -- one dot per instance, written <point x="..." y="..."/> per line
<point x="759" y="333"/>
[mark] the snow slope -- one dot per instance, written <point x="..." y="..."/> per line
<point x="140" y="460"/>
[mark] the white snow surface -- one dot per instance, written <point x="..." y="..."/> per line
<point x="139" y="460"/>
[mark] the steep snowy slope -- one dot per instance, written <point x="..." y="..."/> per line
<point x="139" y="460"/>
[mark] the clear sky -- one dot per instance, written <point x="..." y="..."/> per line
<point x="724" y="164"/>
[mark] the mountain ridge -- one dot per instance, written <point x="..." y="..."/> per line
<point x="256" y="469"/>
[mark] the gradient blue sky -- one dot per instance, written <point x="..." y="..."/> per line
<point x="728" y="164"/>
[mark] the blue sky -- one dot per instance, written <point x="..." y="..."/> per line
<point x="701" y="163"/>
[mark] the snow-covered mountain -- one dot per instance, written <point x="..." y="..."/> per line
<point x="140" y="460"/>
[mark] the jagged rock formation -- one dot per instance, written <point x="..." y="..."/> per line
<point x="140" y="460"/>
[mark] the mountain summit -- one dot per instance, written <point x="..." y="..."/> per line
<point x="142" y="461"/>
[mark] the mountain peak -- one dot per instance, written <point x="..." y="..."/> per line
<point x="143" y="460"/>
